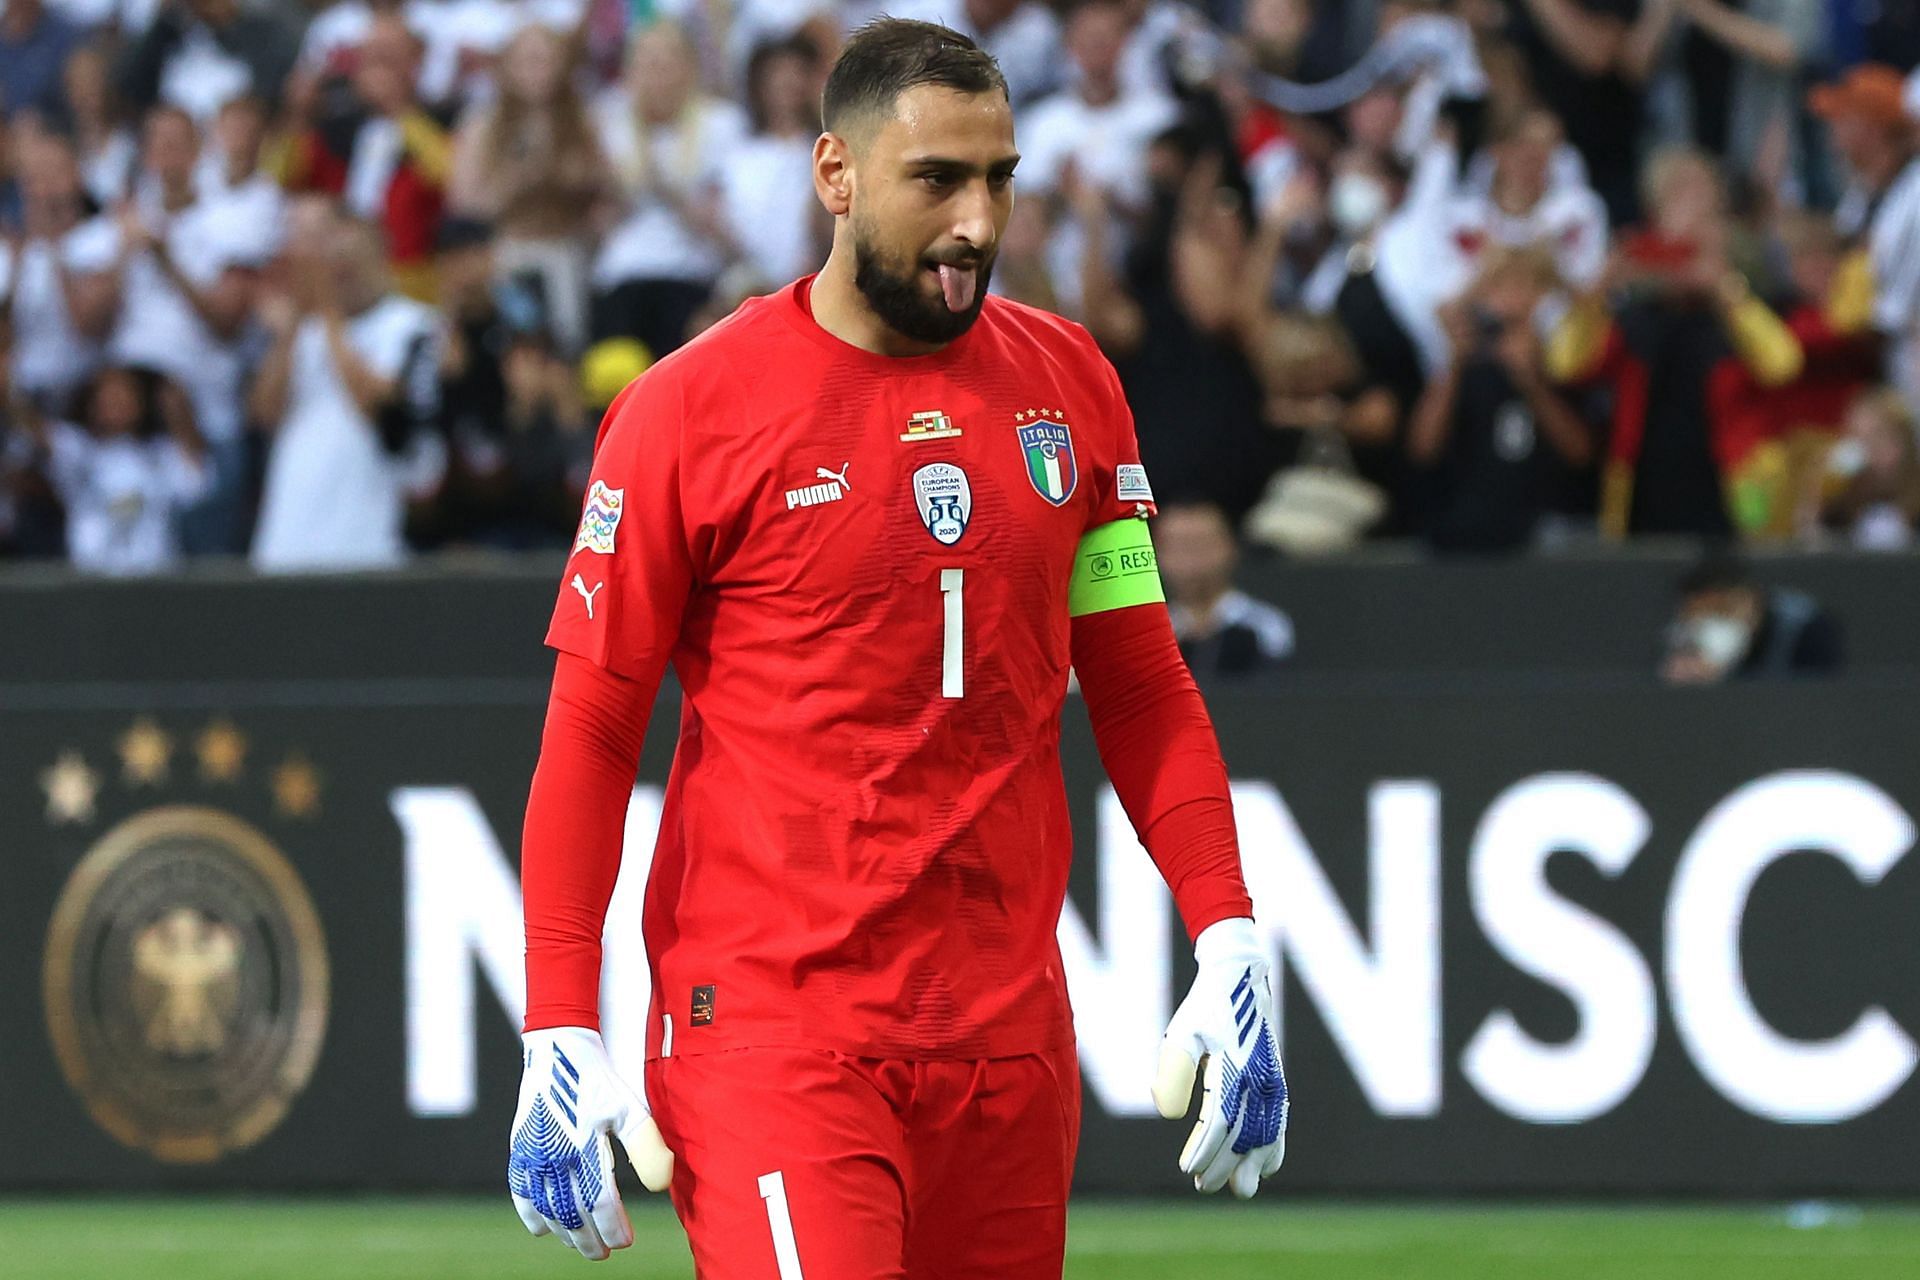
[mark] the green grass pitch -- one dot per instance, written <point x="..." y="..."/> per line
<point x="177" y="1238"/>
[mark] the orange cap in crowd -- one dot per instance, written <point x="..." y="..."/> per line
<point x="1870" y="91"/>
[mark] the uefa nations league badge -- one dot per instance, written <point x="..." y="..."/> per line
<point x="945" y="500"/>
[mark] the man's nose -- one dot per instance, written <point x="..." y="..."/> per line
<point x="973" y="216"/>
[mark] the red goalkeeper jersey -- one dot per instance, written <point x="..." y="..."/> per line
<point x="858" y="567"/>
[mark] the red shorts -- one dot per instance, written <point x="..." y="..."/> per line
<point x="793" y="1163"/>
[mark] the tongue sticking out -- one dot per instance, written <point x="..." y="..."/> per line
<point x="957" y="283"/>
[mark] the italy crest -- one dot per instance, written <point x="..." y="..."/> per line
<point x="1048" y="447"/>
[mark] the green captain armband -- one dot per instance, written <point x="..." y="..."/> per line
<point x="1113" y="568"/>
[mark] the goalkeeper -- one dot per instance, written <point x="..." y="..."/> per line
<point x="871" y="520"/>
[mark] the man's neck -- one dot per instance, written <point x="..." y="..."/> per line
<point x="661" y="115"/>
<point x="357" y="300"/>
<point x="1512" y="199"/>
<point x="841" y="309"/>
<point x="1099" y="93"/>
<point x="1879" y="173"/>
<point x="1205" y="608"/>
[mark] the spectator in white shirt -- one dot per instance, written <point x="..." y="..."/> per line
<point x="1443" y="232"/>
<point x="1531" y="201"/>
<point x="187" y="293"/>
<point x="1099" y="125"/>
<point x="1022" y="35"/>
<point x="229" y="172"/>
<point x="94" y="118"/>
<point x="199" y="53"/>
<point x="1091" y="138"/>
<point x="61" y="296"/>
<point x="724" y="34"/>
<point x="1168" y="41"/>
<point x="772" y="214"/>
<point x="463" y="40"/>
<point x="1870" y="124"/>
<point x="187" y="282"/>
<point x="126" y="472"/>
<point x="670" y="146"/>
<point x="352" y="373"/>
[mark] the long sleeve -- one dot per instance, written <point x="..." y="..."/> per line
<point x="430" y="146"/>
<point x="1159" y="749"/>
<point x="1577" y="349"/>
<point x="1764" y="344"/>
<point x="570" y="848"/>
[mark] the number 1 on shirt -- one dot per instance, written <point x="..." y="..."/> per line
<point x="952" y="681"/>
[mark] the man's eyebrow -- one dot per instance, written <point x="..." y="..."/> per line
<point x="952" y="165"/>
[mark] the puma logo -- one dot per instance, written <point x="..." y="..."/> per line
<point x="580" y="586"/>
<point x="840" y="475"/>
<point x="835" y="488"/>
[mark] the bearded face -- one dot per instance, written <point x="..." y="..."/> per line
<point x="908" y="292"/>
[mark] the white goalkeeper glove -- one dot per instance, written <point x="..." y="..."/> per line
<point x="1227" y="1021"/>
<point x="561" y="1167"/>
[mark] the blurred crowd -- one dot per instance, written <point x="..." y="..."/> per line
<point x="326" y="286"/>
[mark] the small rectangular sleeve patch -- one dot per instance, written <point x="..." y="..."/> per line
<point x="600" y="519"/>
<point x="1114" y="568"/>
<point x="1130" y="483"/>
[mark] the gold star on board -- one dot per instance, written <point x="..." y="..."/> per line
<point x="70" y="786"/>
<point x="145" y="750"/>
<point x="296" y="788"/>
<point x="222" y="750"/>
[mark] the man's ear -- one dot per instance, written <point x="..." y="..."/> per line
<point x="833" y="173"/>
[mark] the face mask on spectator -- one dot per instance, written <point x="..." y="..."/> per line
<point x="1720" y="641"/>
<point x="1847" y="458"/>
<point x="1357" y="202"/>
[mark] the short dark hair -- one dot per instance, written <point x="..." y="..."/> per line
<point x="798" y="45"/>
<point x="889" y="56"/>
<point x="1717" y="569"/>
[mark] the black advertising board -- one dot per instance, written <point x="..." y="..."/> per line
<point x="1592" y="937"/>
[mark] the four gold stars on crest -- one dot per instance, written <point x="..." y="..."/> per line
<point x="1039" y="415"/>
<point x="222" y="749"/>
<point x="296" y="788"/>
<point x="146" y="752"/>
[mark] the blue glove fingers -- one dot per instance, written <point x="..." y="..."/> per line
<point x="1263" y="1098"/>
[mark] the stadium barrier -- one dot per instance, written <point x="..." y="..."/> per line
<point x="1538" y="932"/>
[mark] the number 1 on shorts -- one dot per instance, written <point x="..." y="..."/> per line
<point x="786" y="1250"/>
